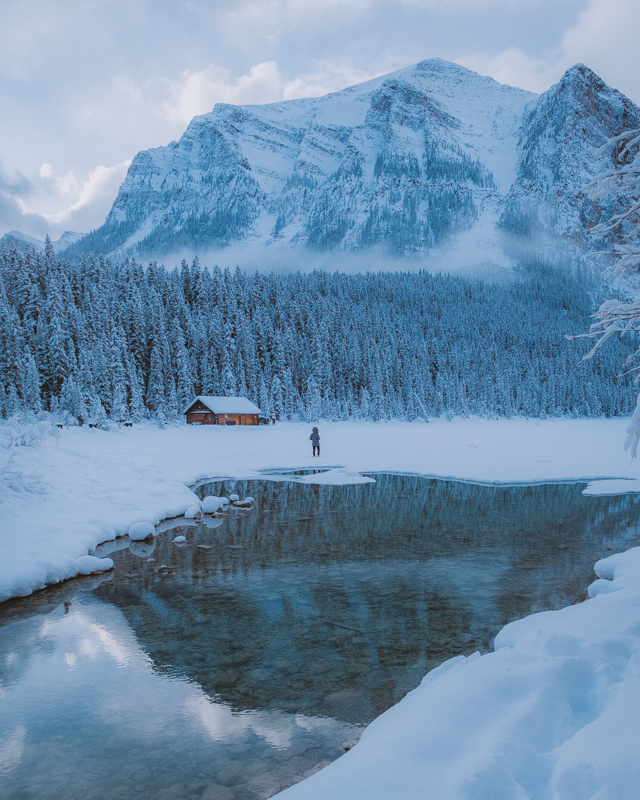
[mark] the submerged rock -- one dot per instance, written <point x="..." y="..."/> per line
<point x="142" y="548"/>
<point x="216" y="791"/>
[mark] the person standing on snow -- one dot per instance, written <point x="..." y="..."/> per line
<point x="315" y="441"/>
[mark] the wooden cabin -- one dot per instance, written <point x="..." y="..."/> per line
<point x="222" y="411"/>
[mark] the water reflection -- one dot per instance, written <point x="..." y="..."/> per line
<point x="247" y="656"/>
<point x="91" y="718"/>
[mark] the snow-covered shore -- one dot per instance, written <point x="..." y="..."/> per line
<point x="100" y="483"/>
<point x="552" y="713"/>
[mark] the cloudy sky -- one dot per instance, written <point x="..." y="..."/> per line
<point x="86" y="84"/>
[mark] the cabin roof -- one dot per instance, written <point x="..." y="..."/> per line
<point x="225" y="405"/>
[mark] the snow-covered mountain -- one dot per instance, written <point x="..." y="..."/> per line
<point x="21" y="240"/>
<point x="434" y="159"/>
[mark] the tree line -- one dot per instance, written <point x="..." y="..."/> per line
<point x="99" y="339"/>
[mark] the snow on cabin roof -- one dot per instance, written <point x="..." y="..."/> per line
<point x="226" y="405"/>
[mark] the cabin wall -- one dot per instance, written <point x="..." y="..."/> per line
<point x="200" y="415"/>
<point x="239" y="419"/>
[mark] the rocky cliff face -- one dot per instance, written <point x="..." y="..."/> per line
<point x="421" y="161"/>
<point x="558" y="156"/>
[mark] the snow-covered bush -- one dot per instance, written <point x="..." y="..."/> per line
<point x="12" y="480"/>
<point x="24" y="431"/>
<point x="21" y="431"/>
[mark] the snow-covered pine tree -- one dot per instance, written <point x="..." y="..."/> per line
<point x="621" y="316"/>
<point x="32" y="386"/>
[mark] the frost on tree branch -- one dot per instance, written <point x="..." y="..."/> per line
<point x="621" y="316"/>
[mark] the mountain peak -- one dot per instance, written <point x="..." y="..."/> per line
<point x="406" y="162"/>
<point x="583" y="78"/>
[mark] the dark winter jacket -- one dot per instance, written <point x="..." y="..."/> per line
<point x="315" y="438"/>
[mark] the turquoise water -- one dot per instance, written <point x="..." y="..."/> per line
<point x="264" y="645"/>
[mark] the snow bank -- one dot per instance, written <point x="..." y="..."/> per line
<point x="612" y="487"/>
<point x="552" y="713"/>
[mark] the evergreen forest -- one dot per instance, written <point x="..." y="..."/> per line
<point x="95" y="340"/>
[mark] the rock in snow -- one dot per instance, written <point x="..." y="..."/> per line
<point x="141" y="530"/>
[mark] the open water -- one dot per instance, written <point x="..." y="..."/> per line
<point x="232" y="666"/>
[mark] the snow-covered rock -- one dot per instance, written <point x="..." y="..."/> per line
<point x="558" y="157"/>
<point x="180" y="540"/>
<point x="141" y="530"/>
<point x="211" y="504"/>
<point x="89" y="564"/>
<point x="192" y="512"/>
<point x="234" y="498"/>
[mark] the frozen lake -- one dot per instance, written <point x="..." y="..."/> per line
<point x="277" y="633"/>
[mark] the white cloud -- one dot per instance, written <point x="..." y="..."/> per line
<point x="54" y="202"/>
<point x="329" y="76"/>
<point x="516" y="68"/>
<point x="604" y="30"/>
<point x="197" y="92"/>
<point x="94" y="196"/>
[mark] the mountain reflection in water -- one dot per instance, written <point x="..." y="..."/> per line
<point x="337" y="600"/>
<point x="278" y="631"/>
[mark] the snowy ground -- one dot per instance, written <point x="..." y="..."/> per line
<point x="553" y="713"/>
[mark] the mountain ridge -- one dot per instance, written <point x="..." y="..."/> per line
<point x="419" y="162"/>
<point x="21" y="240"/>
